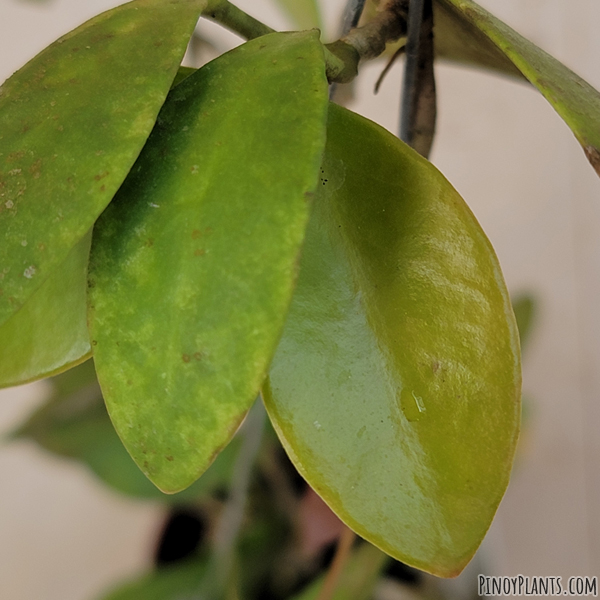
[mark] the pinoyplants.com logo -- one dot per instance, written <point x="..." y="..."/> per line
<point x="522" y="585"/>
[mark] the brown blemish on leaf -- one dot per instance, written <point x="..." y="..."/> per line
<point x="149" y="243"/>
<point x="198" y="356"/>
<point x="35" y="168"/>
<point x="15" y="156"/>
<point x="199" y="252"/>
<point x="169" y="458"/>
<point x="100" y="176"/>
<point x="196" y="234"/>
<point x="185" y="358"/>
<point x="593" y="155"/>
<point x="94" y="342"/>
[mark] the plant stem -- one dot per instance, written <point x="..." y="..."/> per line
<point x="370" y="39"/>
<point x="341" y="57"/>
<point x="352" y="14"/>
<point x="237" y="20"/>
<point x="339" y="560"/>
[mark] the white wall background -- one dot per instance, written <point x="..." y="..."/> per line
<point x="63" y="536"/>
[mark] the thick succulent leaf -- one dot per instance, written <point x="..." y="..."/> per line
<point x="577" y="102"/>
<point x="74" y="424"/>
<point x="193" y="264"/>
<point x="72" y="122"/>
<point x="304" y="13"/>
<point x="49" y="333"/>
<point x="395" y="388"/>
<point x="357" y="579"/>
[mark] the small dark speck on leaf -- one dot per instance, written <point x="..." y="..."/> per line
<point x="94" y="343"/>
<point x="196" y="234"/>
<point x="198" y="355"/>
<point x="169" y="458"/>
<point x="185" y="358"/>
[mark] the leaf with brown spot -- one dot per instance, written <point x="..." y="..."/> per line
<point x="49" y="333"/>
<point x="217" y="283"/>
<point x="59" y="140"/>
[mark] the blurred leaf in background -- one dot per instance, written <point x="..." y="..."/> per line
<point x="74" y="423"/>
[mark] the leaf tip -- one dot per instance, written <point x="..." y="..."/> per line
<point x="593" y="155"/>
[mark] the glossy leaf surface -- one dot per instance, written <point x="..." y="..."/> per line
<point x="395" y="388"/>
<point x="194" y="262"/>
<point x="72" y="122"/>
<point x="74" y="424"/>
<point x="577" y="102"/>
<point x="49" y="333"/>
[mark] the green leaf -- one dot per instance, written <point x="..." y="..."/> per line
<point x="357" y="579"/>
<point x="577" y="102"/>
<point x="396" y="386"/>
<point x="193" y="265"/>
<point x="457" y="41"/>
<point x="72" y="122"/>
<point x="525" y="309"/>
<point x="49" y="333"/>
<point x="304" y="13"/>
<point x="74" y="424"/>
<point x="182" y="73"/>
<point x="178" y="582"/>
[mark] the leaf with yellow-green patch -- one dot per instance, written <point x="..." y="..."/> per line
<point x="193" y="264"/>
<point x="74" y="424"/>
<point x="72" y="122"/>
<point x="49" y="333"/>
<point x="395" y="388"/>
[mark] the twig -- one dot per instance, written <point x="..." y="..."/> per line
<point x="352" y="14"/>
<point x="339" y="560"/>
<point x="235" y="19"/>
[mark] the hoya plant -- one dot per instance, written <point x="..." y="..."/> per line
<point x="216" y="235"/>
